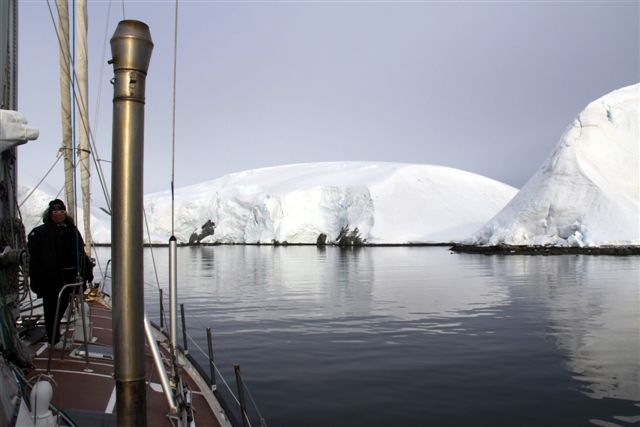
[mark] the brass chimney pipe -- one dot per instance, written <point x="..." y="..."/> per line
<point x="131" y="48"/>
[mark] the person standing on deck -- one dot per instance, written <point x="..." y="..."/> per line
<point x="56" y="258"/>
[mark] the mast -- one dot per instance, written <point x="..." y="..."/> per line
<point x="65" y="101"/>
<point x="84" y="148"/>
<point x="131" y="48"/>
<point x="9" y="55"/>
<point x="12" y="241"/>
<point x="8" y="101"/>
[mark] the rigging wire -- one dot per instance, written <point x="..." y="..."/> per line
<point x="77" y="97"/>
<point x="72" y="115"/>
<point x="153" y="258"/>
<point x="96" y="117"/>
<point x="224" y="381"/>
<point x="33" y="190"/>
<point x="96" y="159"/>
<point x="74" y="134"/>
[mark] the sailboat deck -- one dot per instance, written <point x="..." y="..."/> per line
<point x="86" y="391"/>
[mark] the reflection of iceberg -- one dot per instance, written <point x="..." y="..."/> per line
<point x="388" y="283"/>
<point x="350" y="287"/>
<point x="594" y="307"/>
<point x="435" y="287"/>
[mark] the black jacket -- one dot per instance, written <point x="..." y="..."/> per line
<point x="56" y="257"/>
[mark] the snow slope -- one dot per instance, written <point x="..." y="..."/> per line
<point x="587" y="192"/>
<point x="33" y="208"/>
<point x="387" y="202"/>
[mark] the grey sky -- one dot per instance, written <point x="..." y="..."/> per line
<point x="487" y="87"/>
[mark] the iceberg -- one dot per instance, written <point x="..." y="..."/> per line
<point x="587" y="192"/>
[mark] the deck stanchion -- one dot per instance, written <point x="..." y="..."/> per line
<point x="63" y="337"/>
<point x="243" y="405"/>
<point x="85" y="318"/>
<point x="56" y="325"/>
<point x="161" y="311"/>
<point x="173" y="291"/>
<point x="212" y="365"/>
<point x="184" y="329"/>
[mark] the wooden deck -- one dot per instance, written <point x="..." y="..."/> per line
<point x="86" y="392"/>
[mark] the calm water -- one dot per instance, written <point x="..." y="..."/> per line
<point x="417" y="336"/>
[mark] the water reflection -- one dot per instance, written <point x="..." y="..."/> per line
<point x="303" y="282"/>
<point x="593" y="307"/>
<point x="336" y="315"/>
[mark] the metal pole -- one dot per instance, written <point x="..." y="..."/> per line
<point x="56" y="325"/>
<point x="184" y="329"/>
<point x="212" y="365"/>
<point x="161" y="310"/>
<point x="157" y="361"/>
<point x="9" y="101"/>
<point x="131" y="48"/>
<point x="173" y="291"/>
<point x="243" y="405"/>
<point x="84" y="329"/>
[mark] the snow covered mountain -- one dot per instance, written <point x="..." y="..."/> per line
<point x="34" y="206"/>
<point x="388" y="203"/>
<point x="587" y="192"/>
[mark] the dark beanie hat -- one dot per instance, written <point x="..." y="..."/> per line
<point x="57" y="205"/>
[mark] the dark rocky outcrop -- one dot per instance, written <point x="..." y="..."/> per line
<point x="547" y="250"/>
<point x="349" y="238"/>
<point x="207" y="229"/>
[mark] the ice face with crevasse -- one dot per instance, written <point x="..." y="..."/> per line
<point x="587" y="192"/>
<point x="387" y="202"/>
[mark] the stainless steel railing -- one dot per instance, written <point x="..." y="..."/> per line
<point x="56" y="323"/>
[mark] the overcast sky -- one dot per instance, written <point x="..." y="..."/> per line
<point x="484" y="86"/>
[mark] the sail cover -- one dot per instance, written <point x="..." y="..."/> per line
<point x="14" y="130"/>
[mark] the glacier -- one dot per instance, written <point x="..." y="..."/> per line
<point x="585" y="194"/>
<point x="388" y="203"/>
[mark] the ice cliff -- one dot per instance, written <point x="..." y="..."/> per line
<point x="387" y="202"/>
